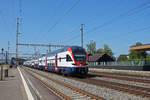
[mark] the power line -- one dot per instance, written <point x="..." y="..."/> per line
<point x="20" y="13"/>
<point x="42" y="45"/>
<point x="71" y="32"/>
<point x="59" y="6"/>
<point x="5" y="23"/>
<point x="128" y="13"/>
<point x="82" y="25"/>
<point x="54" y="13"/>
<point x="131" y="32"/>
<point x="58" y="21"/>
<point x="20" y="8"/>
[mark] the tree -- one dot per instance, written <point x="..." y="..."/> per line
<point x="91" y="47"/>
<point x="122" y="58"/>
<point x="140" y="54"/>
<point x="148" y="57"/>
<point x="107" y="50"/>
<point x="100" y="50"/>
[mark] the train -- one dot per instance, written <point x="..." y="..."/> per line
<point x="68" y="60"/>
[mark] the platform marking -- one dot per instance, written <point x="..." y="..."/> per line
<point x="36" y="91"/>
<point x="30" y="97"/>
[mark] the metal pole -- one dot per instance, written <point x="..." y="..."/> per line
<point x="1" y="72"/>
<point x="82" y="25"/>
<point x="2" y="66"/>
<point x="17" y="41"/>
<point x="8" y="49"/>
<point x="49" y="48"/>
<point x="6" y="57"/>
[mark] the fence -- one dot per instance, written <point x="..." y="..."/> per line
<point x="120" y="63"/>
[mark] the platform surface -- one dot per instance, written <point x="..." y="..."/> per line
<point x="12" y="87"/>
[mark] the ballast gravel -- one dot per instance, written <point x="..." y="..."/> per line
<point x="145" y="85"/>
<point x="107" y="93"/>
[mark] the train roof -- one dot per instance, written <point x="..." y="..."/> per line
<point x="62" y="50"/>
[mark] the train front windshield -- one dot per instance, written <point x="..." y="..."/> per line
<point x="79" y="57"/>
<point x="79" y="54"/>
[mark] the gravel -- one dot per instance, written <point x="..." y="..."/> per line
<point x="124" y="76"/>
<point x="67" y="91"/>
<point x="145" y="85"/>
<point x="107" y="93"/>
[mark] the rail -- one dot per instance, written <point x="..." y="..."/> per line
<point x="76" y="90"/>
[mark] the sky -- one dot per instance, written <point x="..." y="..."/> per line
<point x="117" y="23"/>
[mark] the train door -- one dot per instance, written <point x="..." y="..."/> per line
<point x="56" y="65"/>
<point x="45" y="63"/>
<point x="38" y="64"/>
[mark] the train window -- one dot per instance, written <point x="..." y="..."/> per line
<point x="79" y="57"/>
<point x="68" y="58"/>
<point x="60" y="59"/>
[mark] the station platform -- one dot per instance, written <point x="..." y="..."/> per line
<point x="19" y="85"/>
<point x="11" y="87"/>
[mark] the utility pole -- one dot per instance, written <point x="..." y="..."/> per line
<point x="8" y="49"/>
<point x="49" y="48"/>
<point x="6" y="59"/>
<point x="17" y="41"/>
<point x="35" y="52"/>
<point x="82" y="25"/>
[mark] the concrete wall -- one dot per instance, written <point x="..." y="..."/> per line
<point x="136" y="68"/>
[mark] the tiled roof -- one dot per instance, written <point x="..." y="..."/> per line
<point x="95" y="57"/>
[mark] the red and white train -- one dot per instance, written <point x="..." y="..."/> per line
<point x="68" y="60"/>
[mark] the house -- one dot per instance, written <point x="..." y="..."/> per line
<point x="99" y="58"/>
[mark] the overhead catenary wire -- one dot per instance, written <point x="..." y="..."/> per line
<point x="131" y="32"/>
<point x="5" y="22"/>
<point x="20" y="13"/>
<point x="68" y="11"/>
<point x="72" y="32"/>
<point x="130" y="12"/>
<point x="54" y="13"/>
<point x="56" y="10"/>
<point x="75" y="37"/>
<point x="136" y="31"/>
<point x="20" y="8"/>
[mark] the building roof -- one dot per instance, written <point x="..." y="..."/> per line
<point x="95" y="57"/>
<point x="100" y="57"/>
<point x="140" y="47"/>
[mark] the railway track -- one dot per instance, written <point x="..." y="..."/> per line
<point x="130" y="89"/>
<point x="64" y="90"/>
<point x="125" y="78"/>
<point x="136" y="90"/>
